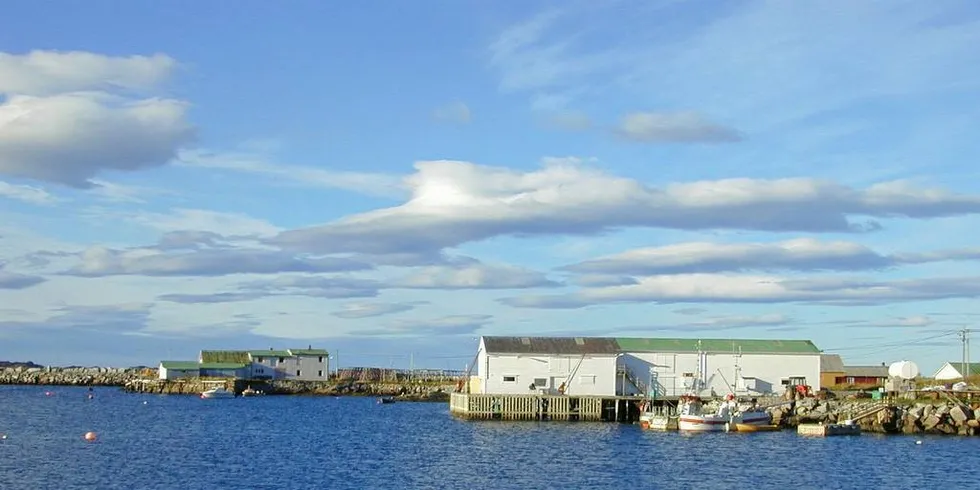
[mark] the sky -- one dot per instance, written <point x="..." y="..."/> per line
<point x="391" y="182"/>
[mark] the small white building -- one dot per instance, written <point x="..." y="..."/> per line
<point x="178" y="369"/>
<point x="953" y="370"/>
<point x="631" y="366"/>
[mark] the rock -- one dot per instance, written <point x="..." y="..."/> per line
<point x="931" y="422"/>
<point x="960" y="415"/>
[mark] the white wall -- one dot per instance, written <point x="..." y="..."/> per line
<point x="719" y="370"/>
<point x="311" y="368"/>
<point x="594" y="375"/>
<point x="164" y="373"/>
<point x="948" y="372"/>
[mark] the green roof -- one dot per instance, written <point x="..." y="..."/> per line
<point x="718" y="345"/>
<point x="222" y="365"/>
<point x="270" y="353"/>
<point x="309" y="352"/>
<point x="180" y="365"/>
<point x="974" y="367"/>
<point x="224" y="356"/>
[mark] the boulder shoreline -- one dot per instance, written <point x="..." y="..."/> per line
<point x="143" y="380"/>
<point x="927" y="417"/>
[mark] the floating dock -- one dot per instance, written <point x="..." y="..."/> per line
<point x="827" y="430"/>
<point x="481" y="406"/>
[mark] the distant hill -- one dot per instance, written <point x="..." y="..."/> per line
<point x="17" y="364"/>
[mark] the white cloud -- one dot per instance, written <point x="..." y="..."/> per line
<point x="27" y="193"/>
<point x="456" y="112"/>
<point x="673" y="127"/>
<point x="473" y="276"/>
<point x="456" y="202"/>
<point x="797" y="254"/>
<point x="115" y="192"/>
<point x="200" y="220"/>
<point x="255" y="163"/>
<point x="100" y="261"/>
<point x="365" y="310"/>
<point x="801" y="254"/>
<point x="722" y="288"/>
<point x="70" y="138"/>
<point x="52" y="72"/>
<point x="447" y="325"/>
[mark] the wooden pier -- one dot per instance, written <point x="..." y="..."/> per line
<point x="481" y="406"/>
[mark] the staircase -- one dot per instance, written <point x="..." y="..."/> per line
<point x="627" y="373"/>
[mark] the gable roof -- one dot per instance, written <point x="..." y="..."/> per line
<point x="607" y="345"/>
<point x="269" y="353"/>
<point x="974" y="367"/>
<point x="224" y="356"/>
<point x="866" y="371"/>
<point x="180" y="365"/>
<point x="551" y="345"/>
<point x="748" y="346"/>
<point x="309" y="352"/>
<point x="831" y="363"/>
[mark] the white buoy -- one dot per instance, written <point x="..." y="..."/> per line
<point x="918" y="443"/>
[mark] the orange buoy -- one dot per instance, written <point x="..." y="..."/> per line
<point x="91" y="436"/>
<point x="644" y="424"/>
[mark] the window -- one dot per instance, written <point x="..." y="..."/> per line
<point x="320" y="359"/>
<point x="510" y="379"/>
<point x="298" y="372"/>
<point x="540" y="382"/>
<point x="282" y="360"/>
<point x="258" y="359"/>
<point x="319" y="374"/>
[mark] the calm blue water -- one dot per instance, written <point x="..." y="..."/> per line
<point x="179" y="442"/>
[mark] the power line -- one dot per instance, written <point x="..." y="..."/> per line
<point x="891" y="344"/>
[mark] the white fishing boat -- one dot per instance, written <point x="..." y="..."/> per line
<point x="693" y="418"/>
<point x="218" y="392"/>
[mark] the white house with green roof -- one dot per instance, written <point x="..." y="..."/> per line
<point x="631" y="366"/>
<point x="307" y="364"/>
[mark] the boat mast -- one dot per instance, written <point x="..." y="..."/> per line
<point x="738" y="369"/>
<point x="698" y="381"/>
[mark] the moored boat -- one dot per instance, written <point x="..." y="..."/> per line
<point x="756" y="428"/>
<point x="693" y="419"/>
<point x="218" y="392"/>
<point x="386" y="399"/>
<point x="252" y="392"/>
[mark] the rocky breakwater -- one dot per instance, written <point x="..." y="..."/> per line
<point x="403" y="391"/>
<point x="940" y="418"/>
<point x="70" y="376"/>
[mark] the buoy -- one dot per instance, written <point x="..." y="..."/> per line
<point x="48" y="393"/>
<point x="144" y="402"/>
<point x="644" y="424"/>
<point x="3" y="436"/>
<point x="91" y="436"/>
<point x="918" y="443"/>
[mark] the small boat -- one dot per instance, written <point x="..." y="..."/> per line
<point x="218" y="392"/>
<point x="252" y="392"/>
<point x="386" y="399"/>
<point x="693" y="419"/>
<point x="756" y="428"/>
<point x="650" y="419"/>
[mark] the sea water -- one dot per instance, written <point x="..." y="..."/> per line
<point x="280" y="442"/>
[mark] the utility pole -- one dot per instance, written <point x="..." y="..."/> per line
<point x="965" y="366"/>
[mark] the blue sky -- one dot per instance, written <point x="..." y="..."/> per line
<point x="381" y="181"/>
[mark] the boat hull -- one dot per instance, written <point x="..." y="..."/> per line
<point x="756" y="428"/>
<point x="657" y="422"/>
<point x="715" y="423"/>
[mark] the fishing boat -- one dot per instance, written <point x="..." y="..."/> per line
<point x="694" y="419"/>
<point x="218" y="392"/>
<point x="654" y="420"/>
<point x="386" y="399"/>
<point x="252" y="392"/>
<point x="756" y="428"/>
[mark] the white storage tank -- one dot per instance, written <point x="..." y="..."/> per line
<point x="903" y="369"/>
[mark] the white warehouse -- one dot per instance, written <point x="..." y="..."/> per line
<point x="633" y="366"/>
